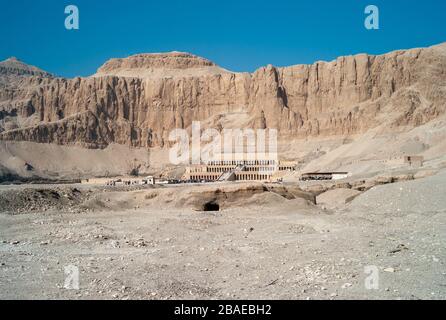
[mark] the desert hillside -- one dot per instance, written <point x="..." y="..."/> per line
<point x="355" y="108"/>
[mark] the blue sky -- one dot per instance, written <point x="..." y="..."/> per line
<point x="240" y="35"/>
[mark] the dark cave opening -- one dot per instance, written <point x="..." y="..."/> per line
<point x="211" y="206"/>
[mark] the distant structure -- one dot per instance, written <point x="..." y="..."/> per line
<point x="414" y="161"/>
<point x="149" y="180"/>
<point x="324" y="176"/>
<point x="239" y="167"/>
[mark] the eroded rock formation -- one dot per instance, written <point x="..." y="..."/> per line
<point x="137" y="101"/>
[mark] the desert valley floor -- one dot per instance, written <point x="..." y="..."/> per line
<point x="266" y="242"/>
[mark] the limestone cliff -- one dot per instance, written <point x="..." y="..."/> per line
<point x="137" y="101"/>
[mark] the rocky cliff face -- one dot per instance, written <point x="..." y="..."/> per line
<point x="137" y="101"/>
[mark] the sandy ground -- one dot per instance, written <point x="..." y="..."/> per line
<point x="284" y="249"/>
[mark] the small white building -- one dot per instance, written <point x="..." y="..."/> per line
<point x="150" y="180"/>
<point x="340" y="175"/>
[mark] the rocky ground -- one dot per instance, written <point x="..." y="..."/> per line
<point x="266" y="242"/>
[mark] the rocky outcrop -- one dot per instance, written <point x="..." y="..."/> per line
<point x="14" y="67"/>
<point x="173" y="60"/>
<point x="160" y="65"/>
<point x="137" y="101"/>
